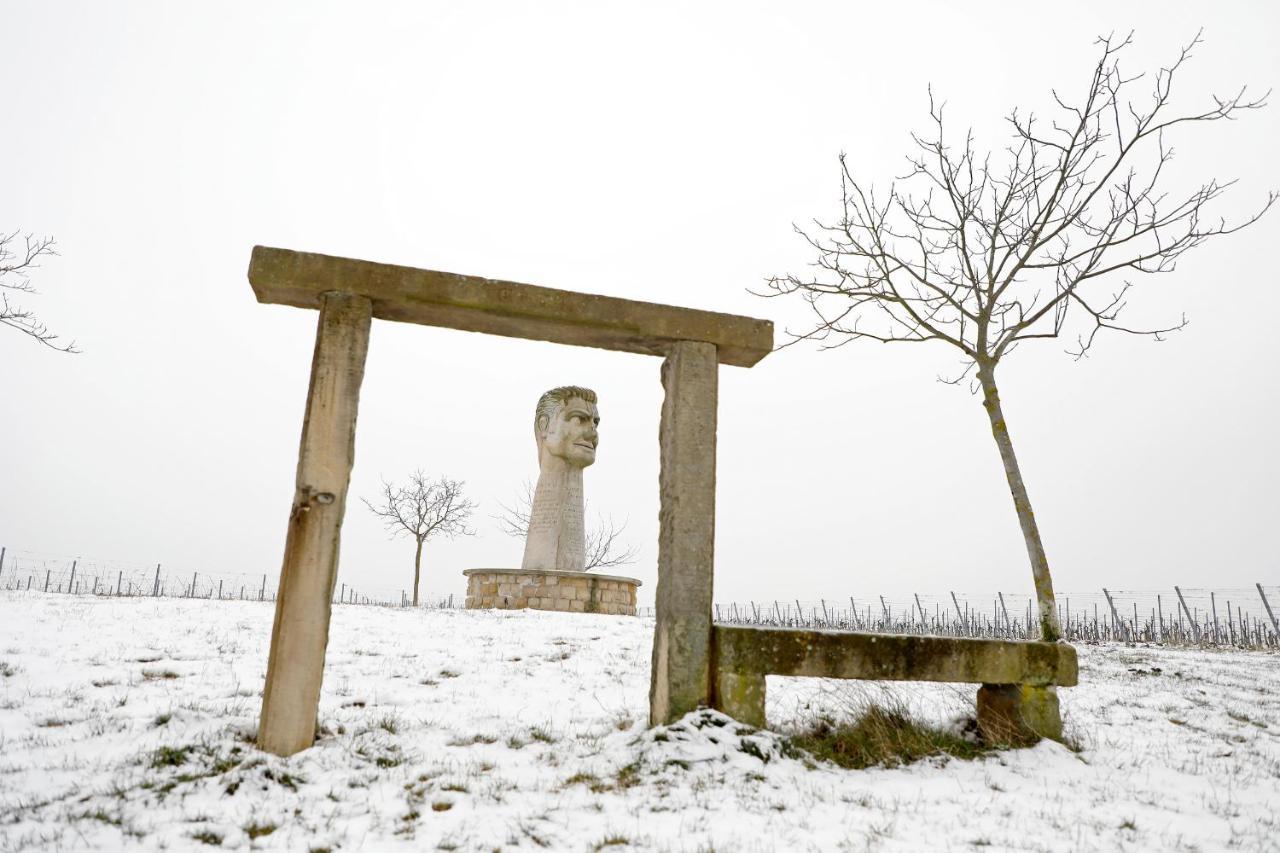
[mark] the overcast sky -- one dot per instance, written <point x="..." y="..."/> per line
<point x="650" y="151"/>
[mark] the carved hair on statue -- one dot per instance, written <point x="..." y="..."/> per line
<point x="554" y="400"/>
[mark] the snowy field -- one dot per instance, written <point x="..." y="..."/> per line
<point x="128" y="724"/>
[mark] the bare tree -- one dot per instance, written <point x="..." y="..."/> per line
<point x="986" y="251"/>
<point x="423" y="509"/>
<point x="16" y="262"/>
<point x="604" y="549"/>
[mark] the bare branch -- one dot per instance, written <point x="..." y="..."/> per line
<point x="16" y="264"/>
<point x="424" y="508"/>
<point x="986" y="250"/>
<point x="604" y="548"/>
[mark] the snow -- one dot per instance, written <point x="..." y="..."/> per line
<point x="128" y="724"/>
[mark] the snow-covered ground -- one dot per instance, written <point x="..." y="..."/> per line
<point x="128" y="723"/>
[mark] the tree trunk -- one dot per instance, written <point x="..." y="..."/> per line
<point x="417" y="571"/>
<point x="1049" y="629"/>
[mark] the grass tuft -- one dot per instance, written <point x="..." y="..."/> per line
<point x="170" y="756"/>
<point x="204" y="836"/>
<point x="882" y="735"/>
<point x="257" y="830"/>
<point x="159" y="674"/>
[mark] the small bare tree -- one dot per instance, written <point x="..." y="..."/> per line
<point x="604" y="549"/>
<point x="423" y="509"/>
<point x="996" y="250"/>
<point x="16" y="262"/>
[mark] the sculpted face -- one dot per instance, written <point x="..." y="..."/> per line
<point x="571" y="433"/>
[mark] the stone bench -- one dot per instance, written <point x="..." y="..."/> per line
<point x="1016" y="703"/>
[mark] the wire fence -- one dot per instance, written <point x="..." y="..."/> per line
<point x="23" y="570"/>
<point x="1182" y="616"/>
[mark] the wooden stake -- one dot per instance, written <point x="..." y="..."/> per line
<point x="1267" y="604"/>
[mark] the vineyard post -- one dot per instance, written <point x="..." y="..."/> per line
<point x="155" y="590"/>
<point x="1213" y="604"/>
<point x="1195" y="627"/>
<point x="73" y="577"/>
<point x="1115" y="616"/>
<point x="1267" y="604"/>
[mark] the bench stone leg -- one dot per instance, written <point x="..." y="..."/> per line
<point x="1018" y="714"/>
<point x="741" y="696"/>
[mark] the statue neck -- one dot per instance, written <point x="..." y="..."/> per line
<point x="556" y="539"/>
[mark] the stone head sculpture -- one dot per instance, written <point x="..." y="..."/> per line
<point x="565" y="426"/>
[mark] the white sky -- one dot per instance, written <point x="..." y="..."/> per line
<point x="653" y="151"/>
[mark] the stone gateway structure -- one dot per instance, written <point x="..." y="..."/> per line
<point x="695" y="662"/>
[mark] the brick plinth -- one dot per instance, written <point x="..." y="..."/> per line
<point x="570" y="592"/>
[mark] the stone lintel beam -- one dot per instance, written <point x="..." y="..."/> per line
<point x="880" y="657"/>
<point x="474" y="304"/>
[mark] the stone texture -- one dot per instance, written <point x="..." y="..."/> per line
<point x="474" y="304"/>
<point x="681" y="671"/>
<point x="300" y="633"/>
<point x="567" y="592"/>
<point x="889" y="657"/>
<point x="1018" y="714"/>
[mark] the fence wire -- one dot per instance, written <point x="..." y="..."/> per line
<point x="24" y="570"/>
<point x="1239" y="618"/>
<point x="1184" y="616"/>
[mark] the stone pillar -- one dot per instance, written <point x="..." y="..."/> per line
<point x="1018" y="714"/>
<point x="741" y="695"/>
<point x="300" y="634"/>
<point x="681" y="674"/>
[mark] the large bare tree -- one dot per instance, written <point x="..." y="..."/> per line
<point x="18" y="257"/>
<point x="422" y="509"/>
<point x="604" y="547"/>
<point x="984" y="251"/>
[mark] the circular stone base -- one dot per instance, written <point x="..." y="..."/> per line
<point x="570" y="592"/>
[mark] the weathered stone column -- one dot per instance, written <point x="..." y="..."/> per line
<point x="300" y="634"/>
<point x="681" y="679"/>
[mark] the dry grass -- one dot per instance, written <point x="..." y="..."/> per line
<point x="882" y="734"/>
